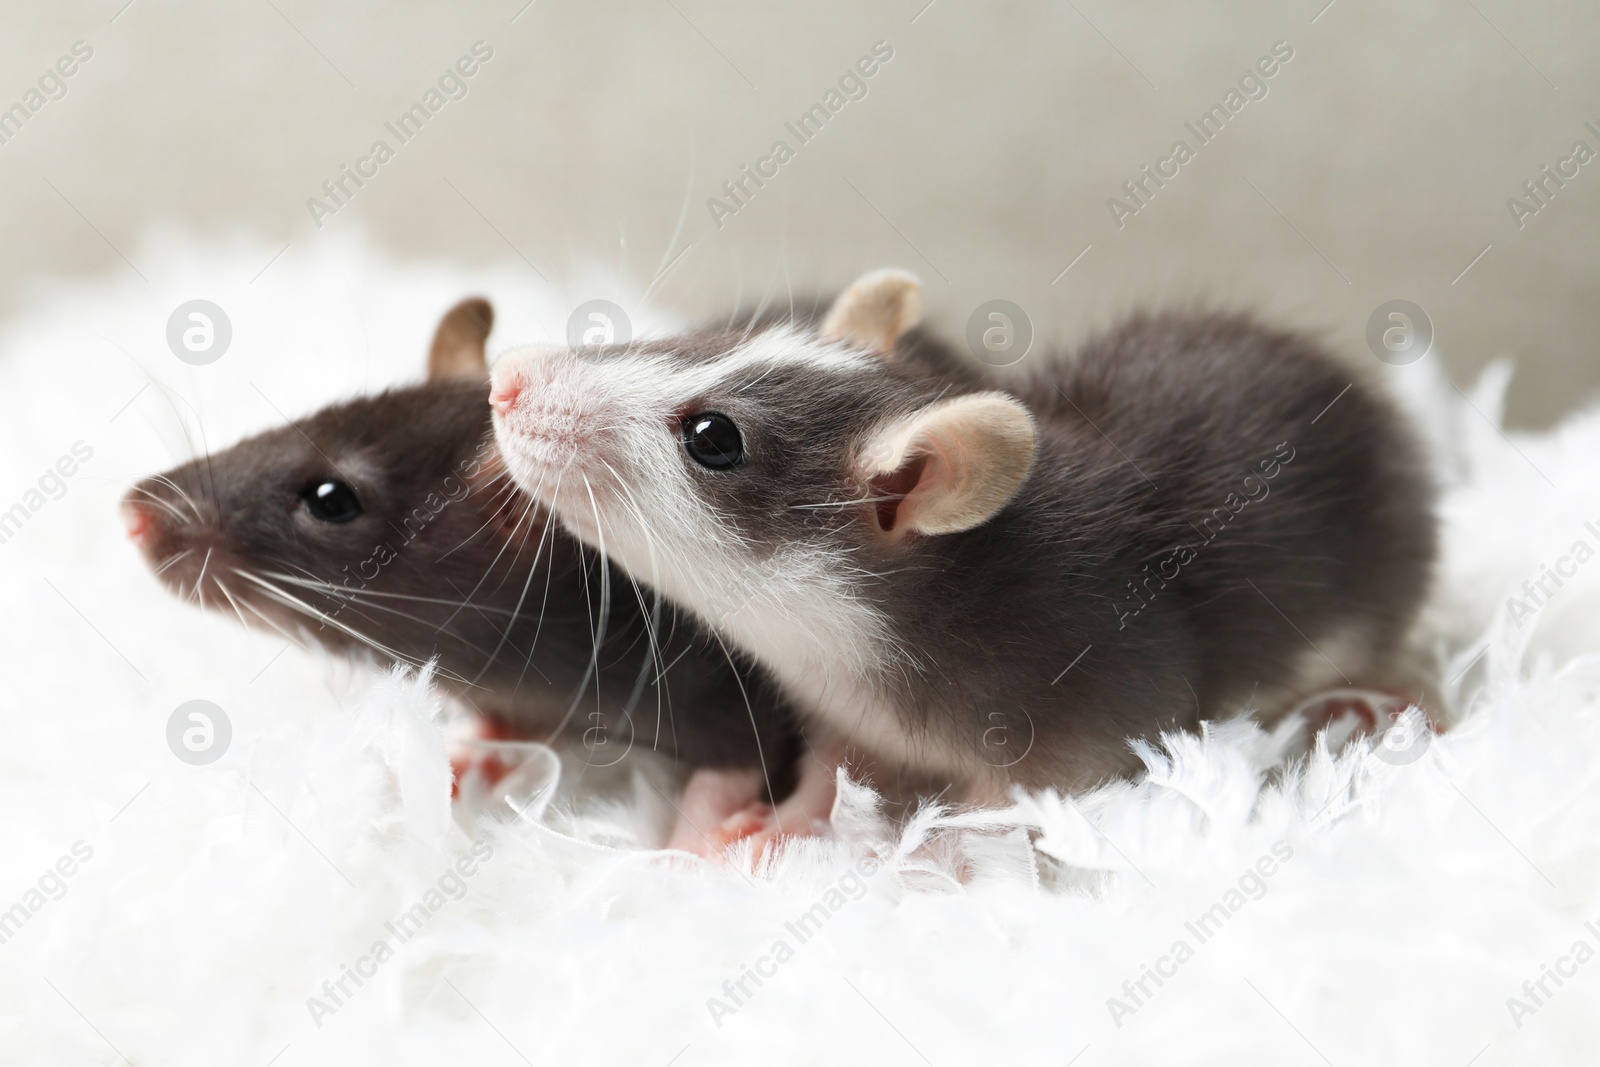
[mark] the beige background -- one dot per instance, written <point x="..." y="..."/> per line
<point x="1377" y="167"/>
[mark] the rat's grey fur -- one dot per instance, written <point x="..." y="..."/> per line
<point x="1142" y="437"/>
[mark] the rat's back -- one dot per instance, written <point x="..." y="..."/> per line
<point x="1250" y="481"/>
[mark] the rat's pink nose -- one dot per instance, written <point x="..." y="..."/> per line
<point x="503" y="397"/>
<point x="139" y="521"/>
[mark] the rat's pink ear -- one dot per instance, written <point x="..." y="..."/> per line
<point x="950" y="466"/>
<point x="875" y="310"/>
<point x="458" y="343"/>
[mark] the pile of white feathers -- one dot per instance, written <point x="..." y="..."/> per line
<point x="310" y="897"/>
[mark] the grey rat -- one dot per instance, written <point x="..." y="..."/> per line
<point x="993" y="585"/>
<point x="384" y="526"/>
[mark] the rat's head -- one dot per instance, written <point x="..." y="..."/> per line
<point x="732" y="468"/>
<point x="345" y="524"/>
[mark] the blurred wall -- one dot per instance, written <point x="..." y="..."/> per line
<point x="1375" y="163"/>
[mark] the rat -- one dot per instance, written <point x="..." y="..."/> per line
<point x="996" y="584"/>
<point x="385" y="526"/>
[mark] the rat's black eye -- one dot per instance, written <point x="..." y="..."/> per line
<point x="331" y="501"/>
<point x="713" y="441"/>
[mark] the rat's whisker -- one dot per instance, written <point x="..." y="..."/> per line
<point x="596" y="633"/>
<point x="522" y="597"/>
<point x="148" y="496"/>
<point x="652" y="614"/>
<point x="755" y="729"/>
<point x="184" y="496"/>
<point x="538" y="626"/>
<point x="299" y="639"/>
<point x="199" y="583"/>
<point x="294" y="603"/>
<point x="171" y="561"/>
<point x="368" y="595"/>
<point x="527" y="509"/>
<point x="290" y="601"/>
<point x="848" y="503"/>
<point x="348" y="597"/>
<point x="223" y="589"/>
<point x="546" y="537"/>
<point x="499" y="509"/>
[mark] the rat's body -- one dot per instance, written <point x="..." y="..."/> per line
<point x="1194" y="515"/>
<point x="385" y="526"/>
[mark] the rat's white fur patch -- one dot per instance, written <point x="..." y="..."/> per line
<point x="1413" y="909"/>
<point x="625" y="488"/>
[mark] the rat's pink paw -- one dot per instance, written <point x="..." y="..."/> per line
<point x="771" y="838"/>
<point x="758" y="824"/>
<point x="806" y="812"/>
<point x="717" y="808"/>
<point x="1349" y="713"/>
<point x="755" y="819"/>
<point x="721" y="809"/>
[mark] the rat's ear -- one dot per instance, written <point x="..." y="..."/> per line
<point x="875" y="310"/>
<point x="950" y="466"/>
<point x="458" y="342"/>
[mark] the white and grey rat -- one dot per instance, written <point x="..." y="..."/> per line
<point x="995" y="585"/>
<point x="383" y="525"/>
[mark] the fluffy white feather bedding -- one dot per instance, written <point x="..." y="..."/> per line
<point x="1325" y="909"/>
